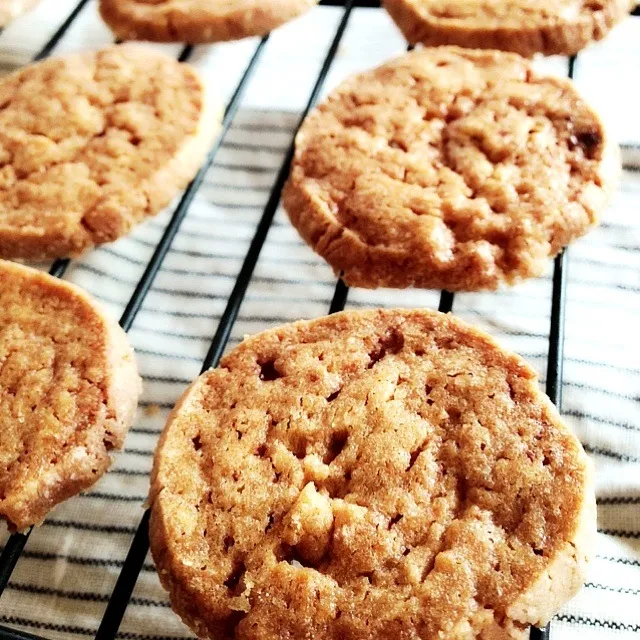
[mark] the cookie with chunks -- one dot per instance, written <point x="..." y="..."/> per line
<point x="198" y="21"/>
<point x="93" y="143"/>
<point x="68" y="391"/>
<point x="451" y="169"/>
<point x="378" y="474"/>
<point x="523" y="26"/>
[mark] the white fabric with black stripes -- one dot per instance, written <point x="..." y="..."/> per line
<point x="60" y="586"/>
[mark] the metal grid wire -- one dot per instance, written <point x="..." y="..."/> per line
<point x="121" y="594"/>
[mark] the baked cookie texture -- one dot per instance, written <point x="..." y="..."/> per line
<point x="377" y="474"/>
<point x="68" y="392"/>
<point x="198" y="21"/>
<point x="524" y="26"/>
<point x="93" y="143"/>
<point x="11" y="9"/>
<point x="449" y="168"/>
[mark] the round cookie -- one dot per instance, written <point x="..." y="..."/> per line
<point x="93" y="143"/>
<point x="68" y="392"/>
<point x="378" y="474"/>
<point x="198" y="21"/>
<point x="449" y="168"/>
<point x="523" y="26"/>
<point x="11" y="9"/>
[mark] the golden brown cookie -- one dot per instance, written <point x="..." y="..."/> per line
<point x="198" y="21"/>
<point x="11" y="9"/>
<point x="524" y="26"/>
<point x="92" y="143"/>
<point x="68" y="392"/>
<point x="449" y="168"/>
<point x="377" y="474"/>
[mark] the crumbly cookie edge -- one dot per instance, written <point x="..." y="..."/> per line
<point x="563" y="38"/>
<point x="122" y="390"/>
<point x="199" y="28"/>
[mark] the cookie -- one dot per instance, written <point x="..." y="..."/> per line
<point x="377" y="474"/>
<point x="93" y="143"/>
<point x="68" y="392"/>
<point x="449" y="168"/>
<point x="524" y="26"/>
<point x="198" y="21"/>
<point x="11" y="9"/>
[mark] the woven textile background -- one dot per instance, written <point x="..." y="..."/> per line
<point x="62" y="583"/>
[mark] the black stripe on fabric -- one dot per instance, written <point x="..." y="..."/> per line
<point x="589" y="416"/>
<point x="606" y="285"/>
<point x="604" y="365"/>
<point x="605" y="392"/>
<point x="216" y="237"/>
<point x="625" y="247"/>
<point x="212" y="256"/>
<point x="89" y="526"/>
<point x="626" y="561"/>
<point x="620" y="533"/>
<point x="247" y="146"/>
<point x="615" y="226"/>
<point x="272" y="320"/>
<point x="160" y="405"/>
<point x="167" y="379"/>
<point x="182" y="293"/>
<point x="113" y="497"/>
<point x="242" y="168"/>
<point x="83" y="631"/>
<point x="145" y="432"/>
<point x="79" y="560"/>
<point x="138" y="452"/>
<point x="595" y="622"/>
<point x="284" y="242"/>
<point x="48" y="626"/>
<point x="174" y="356"/>
<point x="99" y="272"/>
<point x="591" y="363"/>
<point x="174" y="334"/>
<point x="200" y="294"/>
<point x="171" y="314"/>
<point x="86" y="596"/>
<point x="228" y="221"/>
<point x="121" y="256"/>
<point x="604" y="587"/>
<point x="261" y="127"/>
<point x="223" y="186"/>
<point x="602" y="263"/>
<point x="129" y="472"/>
<point x="619" y="500"/>
<point x="608" y="453"/>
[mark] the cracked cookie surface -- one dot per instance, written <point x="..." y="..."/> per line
<point x="11" y="9"/>
<point x="378" y="474"/>
<point x="524" y="26"/>
<point x="198" y="21"/>
<point x="448" y="168"/>
<point x="93" y="143"/>
<point x="68" y="391"/>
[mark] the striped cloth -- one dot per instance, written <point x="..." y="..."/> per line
<point x="60" y="586"/>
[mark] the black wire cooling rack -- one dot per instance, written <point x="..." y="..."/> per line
<point x="121" y="594"/>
